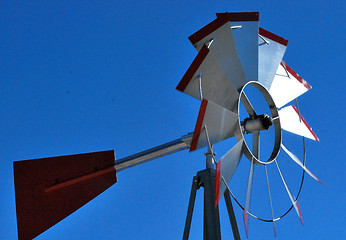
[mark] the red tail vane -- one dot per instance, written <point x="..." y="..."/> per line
<point x="50" y="189"/>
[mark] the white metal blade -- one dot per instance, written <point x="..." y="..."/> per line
<point x="226" y="167"/>
<point x="256" y="153"/>
<point x="270" y="199"/>
<point x="210" y="31"/>
<point x="271" y="49"/>
<point x="294" y="202"/>
<point x="221" y="124"/>
<point x="224" y="49"/>
<point x="287" y="85"/>
<point x="248" y="198"/>
<point x="292" y="122"/>
<point x="224" y="62"/>
<point x="246" y="40"/>
<point x="218" y="69"/>
<point x="296" y="159"/>
<point x="215" y="84"/>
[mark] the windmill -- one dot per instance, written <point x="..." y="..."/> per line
<point x="233" y="54"/>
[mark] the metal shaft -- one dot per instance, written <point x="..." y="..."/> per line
<point x="153" y="153"/>
<point x="211" y="213"/>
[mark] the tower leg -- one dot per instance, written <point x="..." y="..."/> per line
<point x="211" y="213"/>
<point x="231" y="216"/>
<point x="195" y="186"/>
<point x="206" y="179"/>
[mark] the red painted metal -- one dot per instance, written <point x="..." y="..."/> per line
<point x="221" y="19"/>
<point x="239" y="16"/>
<point x="273" y="36"/>
<point x="246" y="223"/>
<point x="300" y="213"/>
<point x="202" y="54"/>
<point x="198" y="126"/>
<point x="50" y="189"/>
<point x="294" y="74"/>
<point x="206" y="30"/>
<point x="306" y="124"/>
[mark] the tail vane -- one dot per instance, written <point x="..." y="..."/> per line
<point x="50" y="189"/>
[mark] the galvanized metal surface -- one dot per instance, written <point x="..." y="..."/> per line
<point x="221" y="124"/>
<point x="292" y="198"/>
<point x="226" y="167"/>
<point x="275" y="115"/>
<point x="246" y="103"/>
<point x="215" y="83"/>
<point x="246" y="40"/>
<point x="224" y="50"/>
<point x="211" y="229"/>
<point x="269" y="56"/>
<point x="231" y="216"/>
<point x="293" y="122"/>
<point x="296" y="160"/>
<point x="153" y="153"/>
<point x="287" y="85"/>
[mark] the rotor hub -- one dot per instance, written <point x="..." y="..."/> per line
<point x="257" y="123"/>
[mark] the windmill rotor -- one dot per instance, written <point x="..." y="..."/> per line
<point x="259" y="54"/>
<point x="234" y="54"/>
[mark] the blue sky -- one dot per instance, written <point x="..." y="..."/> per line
<point x="83" y="76"/>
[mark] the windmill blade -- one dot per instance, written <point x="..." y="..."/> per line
<point x="246" y="40"/>
<point x="221" y="124"/>
<point x="226" y="167"/>
<point x="296" y="159"/>
<point x="248" y="198"/>
<point x="287" y="85"/>
<point x="224" y="62"/>
<point x="294" y="202"/>
<point x="224" y="50"/>
<point x="270" y="199"/>
<point x="292" y="122"/>
<point x="256" y="153"/>
<point x="210" y="31"/>
<point x="216" y="70"/>
<point x="271" y="49"/>
<point x="50" y="189"/>
<point x="215" y="84"/>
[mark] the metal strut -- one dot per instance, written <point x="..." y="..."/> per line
<point x="231" y="216"/>
<point x="211" y="229"/>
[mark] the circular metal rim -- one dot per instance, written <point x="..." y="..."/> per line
<point x="298" y="194"/>
<point x="296" y="199"/>
<point x="277" y="126"/>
